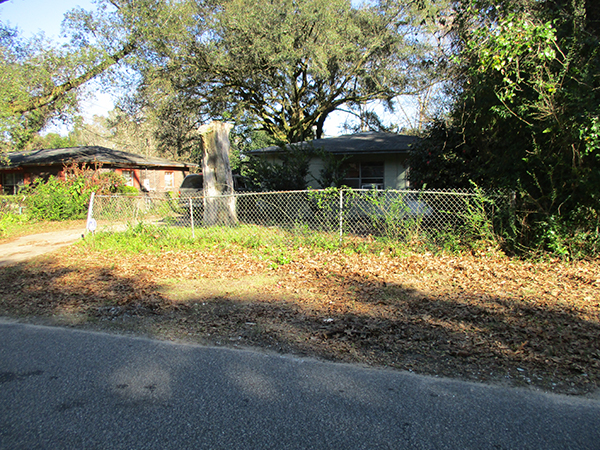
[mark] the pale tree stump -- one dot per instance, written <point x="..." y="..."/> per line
<point x="219" y="201"/>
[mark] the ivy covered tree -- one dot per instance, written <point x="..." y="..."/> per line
<point x="525" y="114"/>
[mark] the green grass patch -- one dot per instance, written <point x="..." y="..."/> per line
<point x="266" y="240"/>
<point x="269" y="243"/>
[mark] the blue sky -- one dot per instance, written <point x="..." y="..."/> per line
<point x="33" y="16"/>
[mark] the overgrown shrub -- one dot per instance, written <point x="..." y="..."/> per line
<point x="130" y="190"/>
<point x="57" y="199"/>
<point x="568" y="239"/>
<point x="289" y="173"/>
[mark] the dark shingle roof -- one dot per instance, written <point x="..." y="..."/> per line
<point x="360" y="143"/>
<point x="90" y="155"/>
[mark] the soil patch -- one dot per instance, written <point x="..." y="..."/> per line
<point x="26" y="247"/>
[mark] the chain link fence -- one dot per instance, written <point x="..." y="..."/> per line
<point x="394" y="214"/>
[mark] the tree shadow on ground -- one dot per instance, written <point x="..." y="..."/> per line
<point x="472" y="336"/>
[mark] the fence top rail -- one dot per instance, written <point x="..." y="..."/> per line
<point x="458" y="192"/>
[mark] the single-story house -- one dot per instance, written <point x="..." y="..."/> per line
<point x="147" y="174"/>
<point x="372" y="159"/>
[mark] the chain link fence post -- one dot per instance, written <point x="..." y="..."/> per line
<point x="192" y="219"/>
<point x="341" y="215"/>
<point x="90" y="223"/>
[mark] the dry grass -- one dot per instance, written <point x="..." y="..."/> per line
<point x="491" y="319"/>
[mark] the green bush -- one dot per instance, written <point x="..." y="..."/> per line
<point x="568" y="239"/>
<point x="129" y="190"/>
<point x="56" y="199"/>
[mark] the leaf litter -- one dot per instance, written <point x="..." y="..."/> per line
<point x="490" y="319"/>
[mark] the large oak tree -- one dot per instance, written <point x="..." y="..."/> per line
<point x="288" y="63"/>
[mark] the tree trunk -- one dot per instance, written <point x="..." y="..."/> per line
<point x="219" y="201"/>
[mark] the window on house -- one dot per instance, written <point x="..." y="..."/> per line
<point x="11" y="183"/>
<point x="128" y="175"/>
<point x="169" y="180"/>
<point x="364" y="175"/>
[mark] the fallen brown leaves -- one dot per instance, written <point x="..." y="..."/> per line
<point x="490" y="319"/>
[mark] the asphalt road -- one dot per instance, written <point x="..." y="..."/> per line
<point x="69" y="389"/>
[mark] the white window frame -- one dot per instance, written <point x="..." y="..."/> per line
<point x="128" y="175"/>
<point x="367" y="182"/>
<point x="169" y="180"/>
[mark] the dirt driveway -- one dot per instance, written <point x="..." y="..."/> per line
<point x="27" y="247"/>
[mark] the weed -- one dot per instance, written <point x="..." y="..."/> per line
<point x="9" y="222"/>
<point x="280" y="260"/>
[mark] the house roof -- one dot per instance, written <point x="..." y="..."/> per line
<point x="355" y="144"/>
<point x="90" y="155"/>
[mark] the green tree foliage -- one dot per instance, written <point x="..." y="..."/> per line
<point x="52" y="140"/>
<point x="287" y="63"/>
<point x="26" y="68"/>
<point x="58" y="199"/>
<point x="41" y="81"/>
<point x="525" y="114"/>
<point x="289" y="173"/>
